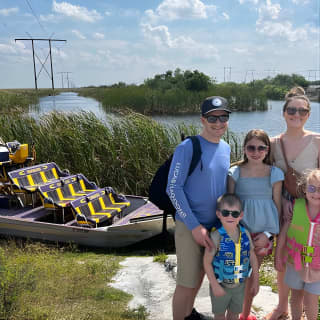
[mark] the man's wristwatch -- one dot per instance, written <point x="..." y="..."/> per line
<point x="269" y="235"/>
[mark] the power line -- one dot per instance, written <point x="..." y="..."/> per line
<point x="34" y="14"/>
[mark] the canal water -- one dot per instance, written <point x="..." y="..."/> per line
<point x="240" y="122"/>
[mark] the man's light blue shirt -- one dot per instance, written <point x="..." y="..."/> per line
<point x="195" y="197"/>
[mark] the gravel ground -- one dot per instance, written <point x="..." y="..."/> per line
<point x="152" y="284"/>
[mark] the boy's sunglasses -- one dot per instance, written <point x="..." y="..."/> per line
<point x="251" y="148"/>
<point x="312" y="189"/>
<point x="222" y="118"/>
<point x="293" y="110"/>
<point x="226" y="213"/>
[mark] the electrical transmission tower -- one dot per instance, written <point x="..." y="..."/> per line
<point x="36" y="76"/>
<point x="252" y="75"/>
<point x="67" y="73"/>
<point x="312" y="74"/>
<point x="224" y="73"/>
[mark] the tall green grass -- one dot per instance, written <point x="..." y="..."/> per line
<point x="43" y="282"/>
<point x="19" y="100"/>
<point x="174" y="100"/>
<point x="124" y="153"/>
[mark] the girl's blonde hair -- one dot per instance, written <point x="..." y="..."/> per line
<point x="296" y="93"/>
<point x="260" y="135"/>
<point x="306" y="176"/>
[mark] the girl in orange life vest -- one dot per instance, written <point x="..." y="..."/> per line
<point x="300" y="238"/>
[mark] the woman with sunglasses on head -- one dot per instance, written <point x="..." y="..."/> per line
<point x="258" y="184"/>
<point x="298" y="148"/>
<point x="298" y="249"/>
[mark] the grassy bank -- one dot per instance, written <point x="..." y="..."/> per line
<point x="124" y="154"/>
<point x="19" y="100"/>
<point x="42" y="282"/>
<point x="174" y="100"/>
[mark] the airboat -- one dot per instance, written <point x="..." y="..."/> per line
<point x="41" y="201"/>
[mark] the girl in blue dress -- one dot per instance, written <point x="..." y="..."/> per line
<point x="258" y="184"/>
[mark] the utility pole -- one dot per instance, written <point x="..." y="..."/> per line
<point x="65" y="72"/>
<point x="224" y="73"/>
<point x="42" y="63"/>
<point x="245" y="77"/>
<point x="312" y="73"/>
<point x="271" y="72"/>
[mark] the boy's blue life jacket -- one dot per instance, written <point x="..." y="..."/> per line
<point x="231" y="263"/>
<point x="158" y="186"/>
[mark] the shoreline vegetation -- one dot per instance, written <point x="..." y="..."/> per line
<point x="124" y="153"/>
<point x="181" y="92"/>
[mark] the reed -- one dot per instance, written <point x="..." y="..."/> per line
<point x="175" y="100"/>
<point x="123" y="153"/>
<point x="20" y="100"/>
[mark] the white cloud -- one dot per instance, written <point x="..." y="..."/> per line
<point x="268" y="23"/>
<point x="282" y="29"/>
<point x="14" y="48"/>
<point x="253" y="1"/>
<point x="77" y="12"/>
<point x="301" y="1"/>
<point x="162" y="38"/>
<point x="107" y="13"/>
<point x="226" y="16"/>
<point x="180" y="9"/>
<point x="269" y="11"/>
<point x="78" y="34"/>
<point x="60" y="53"/>
<point x="98" y="35"/>
<point x="241" y="50"/>
<point x="8" y="11"/>
<point x="49" y="17"/>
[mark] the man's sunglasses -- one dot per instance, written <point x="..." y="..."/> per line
<point x="251" y="148"/>
<point x="312" y="189"/>
<point x="293" y="110"/>
<point x="222" y="118"/>
<point x="226" y="213"/>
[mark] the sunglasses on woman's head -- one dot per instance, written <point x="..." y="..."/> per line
<point x="226" y="213"/>
<point x="251" y="148"/>
<point x="293" y="110"/>
<point x="222" y="118"/>
<point x="312" y="189"/>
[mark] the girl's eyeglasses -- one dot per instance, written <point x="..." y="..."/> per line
<point x="312" y="189"/>
<point x="222" y="118"/>
<point x="251" y="148"/>
<point x="226" y="213"/>
<point x="293" y="110"/>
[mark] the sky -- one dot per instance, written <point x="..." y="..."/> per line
<point x="108" y="41"/>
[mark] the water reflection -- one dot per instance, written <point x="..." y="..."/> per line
<point x="271" y="121"/>
<point x="67" y="102"/>
<point x="240" y="122"/>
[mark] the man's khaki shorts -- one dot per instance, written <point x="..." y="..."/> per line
<point x="189" y="257"/>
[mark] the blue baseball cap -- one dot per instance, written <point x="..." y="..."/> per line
<point x="214" y="103"/>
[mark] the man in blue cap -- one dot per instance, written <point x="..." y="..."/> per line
<point x="194" y="198"/>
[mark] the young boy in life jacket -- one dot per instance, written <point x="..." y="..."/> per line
<point x="231" y="260"/>
<point x="300" y="241"/>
